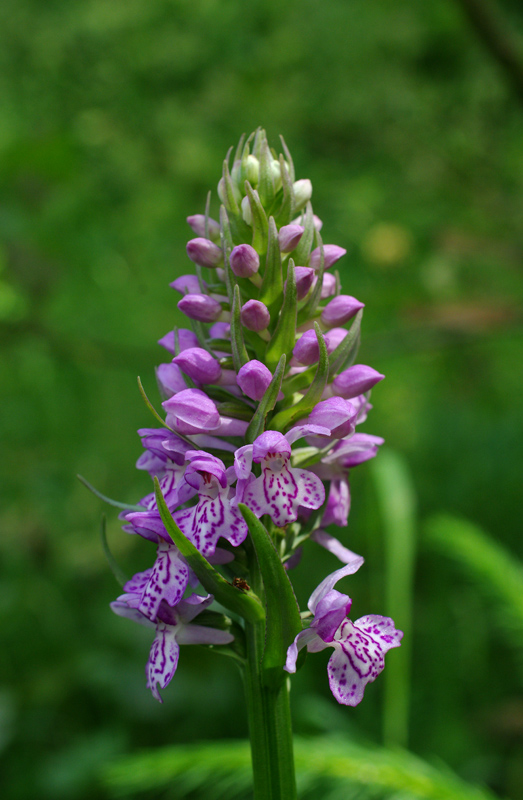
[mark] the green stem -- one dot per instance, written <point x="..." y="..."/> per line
<point x="270" y="726"/>
<point x="269" y="715"/>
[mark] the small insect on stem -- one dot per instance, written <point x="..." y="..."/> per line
<point x="241" y="584"/>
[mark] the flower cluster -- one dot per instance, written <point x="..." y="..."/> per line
<point x="262" y="403"/>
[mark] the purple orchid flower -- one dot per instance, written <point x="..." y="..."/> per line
<point x="173" y="628"/>
<point x="214" y="515"/>
<point x="165" y="581"/>
<point x="281" y="489"/>
<point x="359" y="647"/>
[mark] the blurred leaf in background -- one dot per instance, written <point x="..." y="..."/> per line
<point x="114" y="121"/>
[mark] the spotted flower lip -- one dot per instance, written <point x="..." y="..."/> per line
<point x="173" y="628"/>
<point x="214" y="515"/>
<point x="359" y="647"/>
<point x="281" y="489"/>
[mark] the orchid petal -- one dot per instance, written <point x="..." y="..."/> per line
<point x="358" y="656"/>
<point x="330" y="613"/>
<point x="331" y="580"/>
<point x="308" y="429"/>
<point x="163" y="659"/>
<point x="200" y="634"/>
<point x="168" y="581"/>
<point x="121" y="608"/>
<point x="334" y="546"/>
<point x="303" y="639"/>
<point x="243" y="461"/>
<point x="381" y="629"/>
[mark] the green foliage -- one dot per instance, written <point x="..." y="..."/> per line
<point x="497" y="573"/>
<point x="330" y="767"/>
<point x="397" y="502"/>
<point x="113" y="124"/>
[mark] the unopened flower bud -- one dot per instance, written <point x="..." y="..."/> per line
<point x="253" y="379"/>
<point x="186" y="338"/>
<point x="187" y="284"/>
<point x="252" y="170"/>
<point x="200" y="307"/>
<point x="304" y="279"/>
<point x="222" y="193"/>
<point x="204" y="252"/>
<point x="306" y="350"/>
<point x="331" y="254"/>
<point x="244" y="260"/>
<point x="355" y="380"/>
<point x="246" y="211"/>
<point x="289" y="236"/>
<point x="199" y="365"/>
<point x="317" y="222"/>
<point x="276" y="174"/>
<point x="197" y="223"/>
<point x="337" y="414"/>
<point x="328" y="287"/>
<point x="340" y="310"/>
<point x="220" y="330"/>
<point x="170" y="379"/>
<point x="255" y="315"/>
<point x="302" y="193"/>
<point x="334" y="337"/>
<point x="191" y="411"/>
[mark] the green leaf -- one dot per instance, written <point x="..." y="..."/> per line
<point x="287" y="416"/>
<point x="239" y="352"/>
<point x="265" y="180"/>
<point x="115" y="503"/>
<point x="272" y="286"/>
<point x="497" y="572"/>
<point x="345" y="353"/>
<point x="309" y="309"/>
<point x="152" y="408"/>
<point x="289" y="160"/>
<point x="267" y="403"/>
<point x="244" y="603"/>
<point x="283" y="621"/>
<point x="117" y="571"/>
<point x="227" y="246"/>
<point x="303" y="250"/>
<point x="232" y="408"/>
<point x="286" y="211"/>
<point x="260" y="223"/>
<point x="397" y="504"/>
<point x="230" y="201"/>
<point x="284" y="337"/>
<point x="328" y="767"/>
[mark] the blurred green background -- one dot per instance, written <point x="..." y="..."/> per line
<point x="114" y="120"/>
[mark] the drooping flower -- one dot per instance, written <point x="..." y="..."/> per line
<point x="359" y="647"/>
<point x="173" y="628"/>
